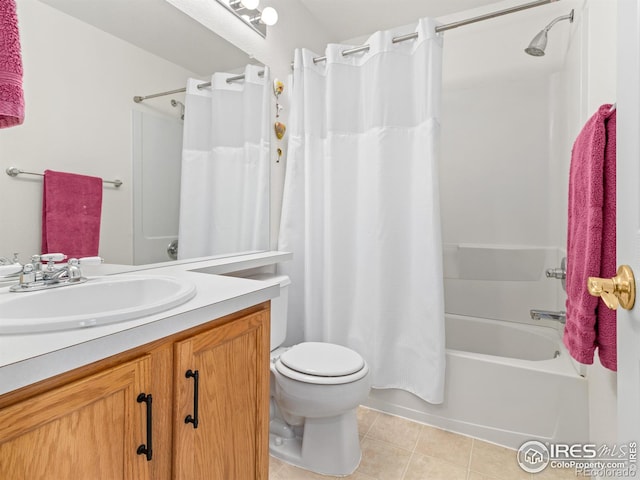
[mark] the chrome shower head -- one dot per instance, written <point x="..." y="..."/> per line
<point x="539" y="43"/>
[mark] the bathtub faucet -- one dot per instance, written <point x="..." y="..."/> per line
<point x="548" y="315"/>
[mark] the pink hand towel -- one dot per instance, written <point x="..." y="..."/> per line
<point x="11" y="95"/>
<point x="591" y="196"/>
<point x="71" y="209"/>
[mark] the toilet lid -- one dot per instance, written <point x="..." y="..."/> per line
<point x="322" y="359"/>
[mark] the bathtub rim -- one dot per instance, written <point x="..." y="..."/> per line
<point x="563" y="364"/>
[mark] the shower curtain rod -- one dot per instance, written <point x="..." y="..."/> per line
<point x="235" y="78"/>
<point x="448" y="26"/>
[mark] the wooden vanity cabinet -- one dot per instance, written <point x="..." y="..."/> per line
<point x="232" y="416"/>
<point x="90" y="428"/>
<point x="90" y="424"/>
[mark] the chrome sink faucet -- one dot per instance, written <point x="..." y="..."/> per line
<point x="548" y="315"/>
<point x="69" y="272"/>
<point x="34" y="277"/>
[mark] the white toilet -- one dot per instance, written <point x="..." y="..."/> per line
<point x="315" y="390"/>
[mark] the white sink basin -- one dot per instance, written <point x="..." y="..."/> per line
<point x="99" y="301"/>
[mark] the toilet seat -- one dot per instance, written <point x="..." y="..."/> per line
<point x="321" y="363"/>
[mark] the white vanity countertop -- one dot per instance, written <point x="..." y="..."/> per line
<point x="216" y="265"/>
<point x="26" y="359"/>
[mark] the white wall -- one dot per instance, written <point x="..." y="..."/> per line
<point x="79" y="83"/>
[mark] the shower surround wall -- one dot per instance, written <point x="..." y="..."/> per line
<point x="495" y="170"/>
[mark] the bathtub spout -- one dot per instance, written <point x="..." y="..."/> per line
<point x="548" y="315"/>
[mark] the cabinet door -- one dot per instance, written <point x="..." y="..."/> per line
<point x="88" y="429"/>
<point x="230" y="441"/>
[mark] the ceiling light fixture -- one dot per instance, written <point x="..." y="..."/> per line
<point x="269" y="16"/>
<point x="247" y="11"/>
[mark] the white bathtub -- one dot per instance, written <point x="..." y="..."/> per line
<point x="505" y="383"/>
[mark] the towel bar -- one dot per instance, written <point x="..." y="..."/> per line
<point x="15" y="171"/>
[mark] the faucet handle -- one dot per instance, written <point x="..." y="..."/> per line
<point x="73" y="266"/>
<point x="28" y="274"/>
<point x="73" y="270"/>
<point x="91" y="260"/>
<point x="52" y="257"/>
<point x="559" y="273"/>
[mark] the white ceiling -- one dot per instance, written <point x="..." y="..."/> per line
<point x="347" y="19"/>
<point x="160" y="28"/>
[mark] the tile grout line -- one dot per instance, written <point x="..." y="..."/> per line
<point x="473" y="444"/>
<point x="413" y="452"/>
<point x="406" y="467"/>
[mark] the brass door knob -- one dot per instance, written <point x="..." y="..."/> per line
<point x="619" y="290"/>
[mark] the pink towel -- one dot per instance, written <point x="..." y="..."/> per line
<point x="71" y="208"/>
<point x="11" y="95"/>
<point x="591" y="239"/>
<point x="606" y="331"/>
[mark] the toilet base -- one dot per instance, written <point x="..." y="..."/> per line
<point x="329" y="446"/>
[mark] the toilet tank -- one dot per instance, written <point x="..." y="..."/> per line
<point x="278" y="306"/>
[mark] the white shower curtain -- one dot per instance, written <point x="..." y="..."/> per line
<point x="361" y="211"/>
<point x="224" y="196"/>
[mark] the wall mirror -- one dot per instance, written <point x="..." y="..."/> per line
<point x="84" y="62"/>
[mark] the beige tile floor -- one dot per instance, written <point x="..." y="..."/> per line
<point x="394" y="448"/>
